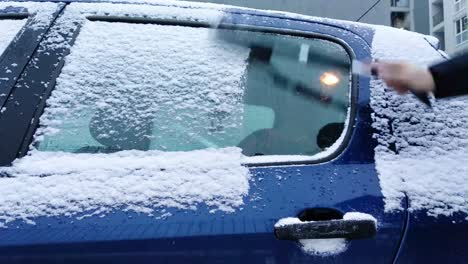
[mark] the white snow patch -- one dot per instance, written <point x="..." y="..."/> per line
<point x="431" y="166"/>
<point x="8" y="30"/>
<point x="358" y="216"/>
<point x="324" y="247"/>
<point x="52" y="184"/>
<point x="318" y="247"/>
<point x="288" y="221"/>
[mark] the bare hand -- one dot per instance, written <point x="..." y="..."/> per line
<point x="405" y="77"/>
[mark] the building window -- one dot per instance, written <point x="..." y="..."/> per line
<point x="400" y="3"/>
<point x="401" y="20"/>
<point x="459" y="5"/>
<point x="461" y="30"/>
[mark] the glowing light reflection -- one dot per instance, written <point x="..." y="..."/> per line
<point x="329" y="79"/>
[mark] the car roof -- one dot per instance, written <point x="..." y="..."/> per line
<point x="361" y="29"/>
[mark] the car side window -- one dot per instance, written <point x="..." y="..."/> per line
<point x="146" y="87"/>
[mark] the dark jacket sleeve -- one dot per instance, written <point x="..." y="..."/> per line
<point x="451" y="77"/>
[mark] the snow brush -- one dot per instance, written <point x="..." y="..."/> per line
<point x="364" y="69"/>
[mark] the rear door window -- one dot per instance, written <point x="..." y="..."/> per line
<point x="146" y="87"/>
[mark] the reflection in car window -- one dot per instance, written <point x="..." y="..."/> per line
<point x="8" y="30"/>
<point x="173" y="88"/>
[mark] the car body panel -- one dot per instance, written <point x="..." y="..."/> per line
<point x="430" y="239"/>
<point x="348" y="183"/>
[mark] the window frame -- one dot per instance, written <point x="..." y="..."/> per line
<point x="459" y="5"/>
<point x="6" y="55"/>
<point x="21" y="49"/>
<point x="303" y="160"/>
<point x="462" y="36"/>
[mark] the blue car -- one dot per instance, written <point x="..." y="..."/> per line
<point x="178" y="132"/>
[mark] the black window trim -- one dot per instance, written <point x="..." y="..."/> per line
<point x="28" y="139"/>
<point x="27" y="37"/>
<point x="20" y="52"/>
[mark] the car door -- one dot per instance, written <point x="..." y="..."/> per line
<point x="232" y="219"/>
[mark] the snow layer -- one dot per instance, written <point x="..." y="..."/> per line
<point x="430" y="165"/>
<point x="51" y="184"/>
<point x="324" y="247"/>
<point x="40" y="13"/>
<point x="121" y="78"/>
<point x="359" y="216"/>
<point x="78" y="12"/>
<point x="288" y="221"/>
<point x="8" y="30"/>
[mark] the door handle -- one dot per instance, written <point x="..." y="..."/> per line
<point x="349" y="229"/>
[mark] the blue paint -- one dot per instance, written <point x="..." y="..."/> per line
<point x="430" y="239"/>
<point x="347" y="183"/>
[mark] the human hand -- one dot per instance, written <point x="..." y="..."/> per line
<point x="404" y="77"/>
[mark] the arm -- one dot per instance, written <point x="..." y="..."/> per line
<point x="446" y="79"/>
<point x="451" y="77"/>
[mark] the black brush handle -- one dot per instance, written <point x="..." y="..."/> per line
<point x="423" y="97"/>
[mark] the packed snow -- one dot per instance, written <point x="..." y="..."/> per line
<point x="324" y="247"/>
<point x="288" y="221"/>
<point x="8" y="31"/>
<point x="431" y="163"/>
<point x="359" y="216"/>
<point x="52" y="184"/>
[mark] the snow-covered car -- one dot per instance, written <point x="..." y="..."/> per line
<point x="167" y="131"/>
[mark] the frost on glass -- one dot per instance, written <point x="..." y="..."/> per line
<point x="137" y="84"/>
<point x="8" y="30"/>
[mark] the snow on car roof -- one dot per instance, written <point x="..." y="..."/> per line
<point x="351" y="25"/>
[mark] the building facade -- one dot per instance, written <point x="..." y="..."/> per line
<point x="449" y="23"/>
<point x="410" y="15"/>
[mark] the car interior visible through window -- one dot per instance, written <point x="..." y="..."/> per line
<point x="146" y="87"/>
